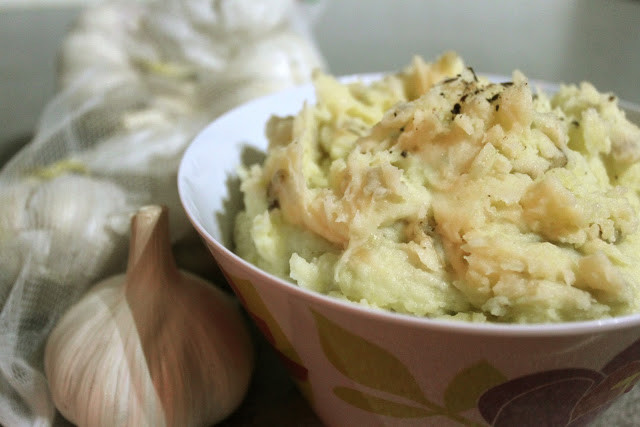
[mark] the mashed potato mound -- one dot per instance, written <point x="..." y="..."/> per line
<point x="437" y="193"/>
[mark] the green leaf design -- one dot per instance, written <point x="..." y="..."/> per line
<point x="467" y="386"/>
<point x="379" y="406"/>
<point x="366" y="363"/>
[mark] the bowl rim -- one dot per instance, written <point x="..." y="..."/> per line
<point x="567" y="328"/>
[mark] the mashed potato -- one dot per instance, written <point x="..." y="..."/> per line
<point x="436" y="193"/>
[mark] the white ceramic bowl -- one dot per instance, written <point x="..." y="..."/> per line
<point x="360" y="366"/>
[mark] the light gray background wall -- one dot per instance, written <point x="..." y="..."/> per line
<point x="568" y="41"/>
<point x="548" y="39"/>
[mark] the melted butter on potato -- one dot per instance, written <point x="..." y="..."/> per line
<point x="437" y="193"/>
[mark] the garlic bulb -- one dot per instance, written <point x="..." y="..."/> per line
<point x="281" y="60"/>
<point x="85" y="219"/>
<point x="154" y="347"/>
<point x="95" y="42"/>
<point x="71" y="228"/>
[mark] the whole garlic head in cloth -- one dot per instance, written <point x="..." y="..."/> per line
<point x="158" y="72"/>
<point x="154" y="347"/>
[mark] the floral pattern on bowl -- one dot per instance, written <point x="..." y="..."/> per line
<point x="569" y="397"/>
<point x="562" y="397"/>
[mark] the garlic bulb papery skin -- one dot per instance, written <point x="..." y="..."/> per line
<point x="153" y="347"/>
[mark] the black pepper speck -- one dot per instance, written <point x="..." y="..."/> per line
<point x="494" y="97"/>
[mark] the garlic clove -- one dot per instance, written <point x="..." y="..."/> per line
<point x="156" y="346"/>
